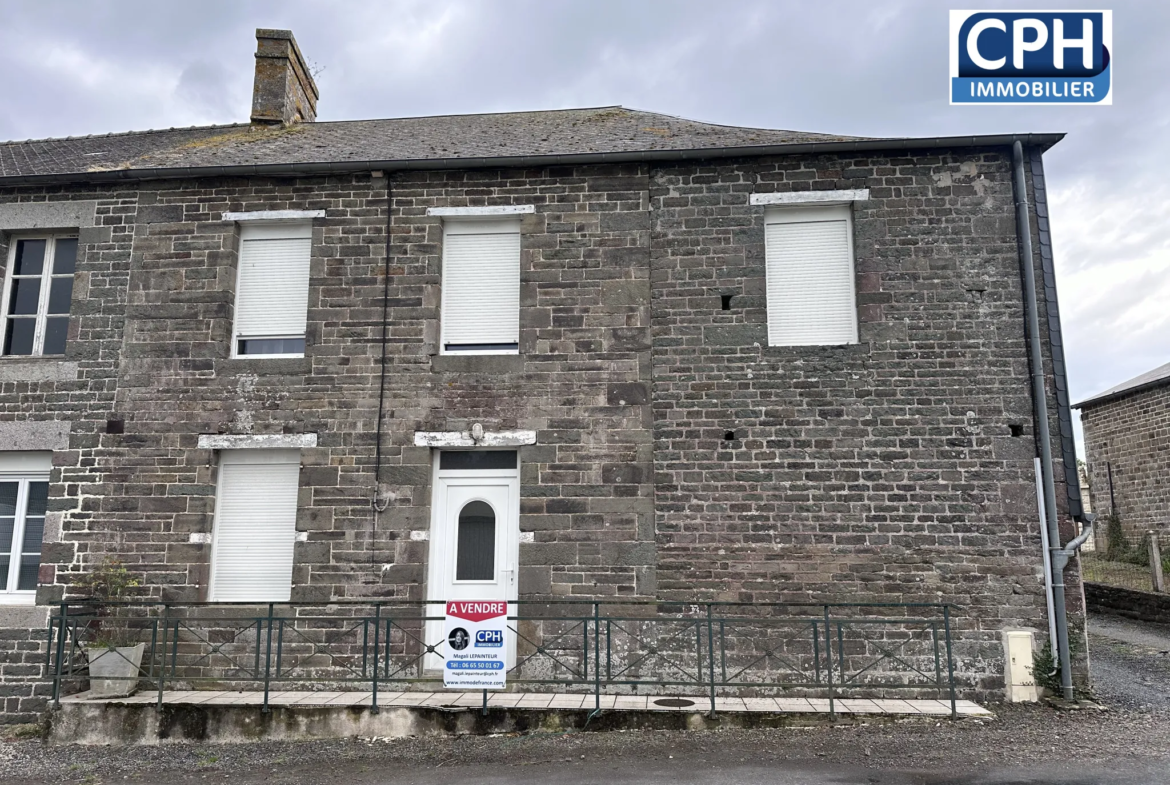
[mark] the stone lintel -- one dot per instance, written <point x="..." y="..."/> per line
<point x="810" y="197"/>
<point x="275" y="441"/>
<point x="451" y="439"/>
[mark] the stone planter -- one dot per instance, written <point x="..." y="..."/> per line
<point x="113" y="670"/>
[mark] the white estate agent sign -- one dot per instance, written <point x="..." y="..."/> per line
<point x="476" y="630"/>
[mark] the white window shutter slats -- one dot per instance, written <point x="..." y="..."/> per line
<point x="255" y="529"/>
<point x="273" y="295"/>
<point x="810" y="279"/>
<point x="481" y="288"/>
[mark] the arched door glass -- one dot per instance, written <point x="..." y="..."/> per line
<point x="475" y="555"/>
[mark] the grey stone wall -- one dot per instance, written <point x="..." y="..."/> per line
<point x="1131" y="434"/>
<point x="886" y="470"/>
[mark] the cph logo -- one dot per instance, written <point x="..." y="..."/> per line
<point x="1031" y="57"/>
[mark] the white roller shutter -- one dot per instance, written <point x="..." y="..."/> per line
<point x="481" y="284"/>
<point x="272" y="296"/>
<point x="255" y="525"/>
<point x="810" y="277"/>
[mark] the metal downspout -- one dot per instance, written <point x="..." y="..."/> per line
<point x="1040" y="414"/>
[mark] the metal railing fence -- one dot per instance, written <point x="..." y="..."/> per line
<point x="599" y="646"/>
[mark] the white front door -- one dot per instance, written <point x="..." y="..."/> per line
<point x="475" y="536"/>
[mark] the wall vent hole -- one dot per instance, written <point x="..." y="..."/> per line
<point x="729" y="436"/>
<point x="725" y="300"/>
<point x="115" y="426"/>
<point x="1016" y="429"/>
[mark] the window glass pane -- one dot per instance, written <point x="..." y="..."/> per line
<point x="34" y="533"/>
<point x="30" y="257"/>
<point x="38" y="498"/>
<point x="477" y="459"/>
<point x="60" y="294"/>
<point x="475" y="558"/>
<point x="18" y="338"/>
<point x="6" y="525"/>
<point x="8" y="498"/>
<point x="271" y="346"/>
<point x="65" y="256"/>
<point x="56" y="331"/>
<point x="27" y="581"/>
<point x="4" y="573"/>
<point x="26" y="295"/>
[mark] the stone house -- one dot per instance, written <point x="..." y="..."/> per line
<point x="617" y="353"/>
<point x="1127" y="451"/>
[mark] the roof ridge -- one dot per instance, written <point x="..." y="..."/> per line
<point x="741" y="127"/>
<point x="479" y="114"/>
<point x="8" y="142"/>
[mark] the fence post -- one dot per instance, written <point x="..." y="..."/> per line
<point x="377" y="642"/>
<point x="829" y="663"/>
<point x="950" y="660"/>
<point x="268" y="659"/>
<point x="711" y="657"/>
<point x="1156" y="575"/>
<point x="597" y="658"/>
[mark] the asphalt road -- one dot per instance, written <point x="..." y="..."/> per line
<point x="1125" y="745"/>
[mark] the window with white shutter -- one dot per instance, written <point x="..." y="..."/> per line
<point x="272" y="293"/>
<point x="255" y="525"/>
<point x="810" y="278"/>
<point x="481" y="287"/>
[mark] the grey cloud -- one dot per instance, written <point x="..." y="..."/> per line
<point x="850" y="67"/>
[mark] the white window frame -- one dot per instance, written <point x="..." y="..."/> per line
<point x="246" y="456"/>
<point x="799" y="213"/>
<point x="47" y="275"/>
<point x="478" y="220"/>
<point x="266" y="229"/>
<point x="21" y="468"/>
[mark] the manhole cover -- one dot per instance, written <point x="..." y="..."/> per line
<point x="674" y="703"/>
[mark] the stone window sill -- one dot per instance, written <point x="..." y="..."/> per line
<point x="37" y="369"/>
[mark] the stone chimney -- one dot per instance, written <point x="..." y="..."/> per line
<point x="285" y="92"/>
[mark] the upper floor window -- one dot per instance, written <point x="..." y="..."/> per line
<point x="24" y="496"/>
<point x="272" y="292"/>
<point x="38" y="290"/>
<point x="810" y="278"/>
<point x="481" y="286"/>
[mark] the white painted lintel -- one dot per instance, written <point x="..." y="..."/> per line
<point x="485" y="212"/>
<point x="274" y="441"/>
<point x="454" y="439"/>
<point x="275" y="215"/>
<point x="810" y="197"/>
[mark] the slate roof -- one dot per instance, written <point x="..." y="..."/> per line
<point x="1154" y="378"/>
<point x="426" y="142"/>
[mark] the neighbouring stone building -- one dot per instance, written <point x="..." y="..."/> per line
<point x="1127" y="451"/>
<point x="684" y="361"/>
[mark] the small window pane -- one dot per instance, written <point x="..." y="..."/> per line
<point x="8" y="498"/>
<point x="38" y="498"/>
<point x="477" y="459"/>
<point x="4" y="573"/>
<point x="6" y="526"/>
<point x="29" y="566"/>
<point x="18" y="338"/>
<point x="26" y="295"/>
<point x="60" y="295"/>
<point x="271" y="346"/>
<point x="56" y="331"/>
<point x="30" y="257"/>
<point x="476" y="550"/>
<point x="34" y="533"/>
<point x="65" y="256"/>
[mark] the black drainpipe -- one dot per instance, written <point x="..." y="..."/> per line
<point x="1040" y="416"/>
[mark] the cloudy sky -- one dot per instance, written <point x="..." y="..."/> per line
<point x="864" y="68"/>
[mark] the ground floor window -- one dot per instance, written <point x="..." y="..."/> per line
<point x="24" y="497"/>
<point x="255" y="525"/>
